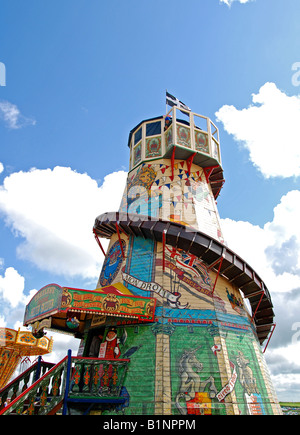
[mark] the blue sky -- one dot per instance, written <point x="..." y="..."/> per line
<point x="80" y="75"/>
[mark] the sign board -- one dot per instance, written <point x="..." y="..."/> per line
<point x="102" y="350"/>
<point x="44" y="303"/>
<point x="107" y="301"/>
<point x="113" y="303"/>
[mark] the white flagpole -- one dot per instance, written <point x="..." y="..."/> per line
<point x="166" y="102"/>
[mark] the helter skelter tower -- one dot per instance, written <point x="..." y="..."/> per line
<point x="202" y="354"/>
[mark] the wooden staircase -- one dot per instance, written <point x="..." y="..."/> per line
<point x="48" y="389"/>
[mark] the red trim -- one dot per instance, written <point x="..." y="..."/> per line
<point x="99" y="292"/>
<point x="100" y="359"/>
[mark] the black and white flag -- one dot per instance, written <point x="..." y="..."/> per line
<point x="173" y="101"/>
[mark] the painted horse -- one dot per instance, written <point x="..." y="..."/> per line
<point x="191" y="384"/>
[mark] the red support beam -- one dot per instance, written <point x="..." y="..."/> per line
<point x="274" y="326"/>
<point x="99" y="243"/>
<point x="218" y="273"/>
<point x="189" y="162"/>
<point x="262" y="294"/>
<point x="208" y="171"/>
<point x="120" y="241"/>
<point x="218" y="191"/>
<point x="215" y="263"/>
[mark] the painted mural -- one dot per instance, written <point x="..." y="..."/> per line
<point x="165" y="333"/>
<point x="183" y="196"/>
<point x="112" y="264"/>
<point x="207" y="378"/>
<point x="201" y="355"/>
<point x="202" y="340"/>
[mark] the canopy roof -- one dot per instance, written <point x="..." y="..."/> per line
<point x="24" y="342"/>
<point x="14" y="345"/>
<point x="66" y="309"/>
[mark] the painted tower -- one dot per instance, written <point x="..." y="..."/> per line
<point x="202" y="353"/>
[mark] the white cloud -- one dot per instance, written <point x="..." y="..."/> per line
<point x="53" y="211"/>
<point x="270" y="130"/>
<point x="274" y="250"/>
<point x="3" y="322"/>
<point x="18" y="324"/>
<point x="61" y="344"/>
<point x="12" y="116"/>
<point x="1" y="168"/>
<point x="12" y="287"/>
<point x="284" y="232"/>
<point x="283" y="363"/>
<point x="274" y="253"/>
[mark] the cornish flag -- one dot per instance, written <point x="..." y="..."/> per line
<point x="173" y="101"/>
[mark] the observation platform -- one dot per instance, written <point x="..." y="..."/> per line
<point x="195" y="138"/>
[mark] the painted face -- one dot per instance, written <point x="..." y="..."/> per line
<point x="145" y="177"/>
<point x="111" y="335"/>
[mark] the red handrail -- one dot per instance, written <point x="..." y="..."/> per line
<point x="73" y="358"/>
<point x="100" y="359"/>
<point x="33" y="385"/>
<point x="7" y="386"/>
